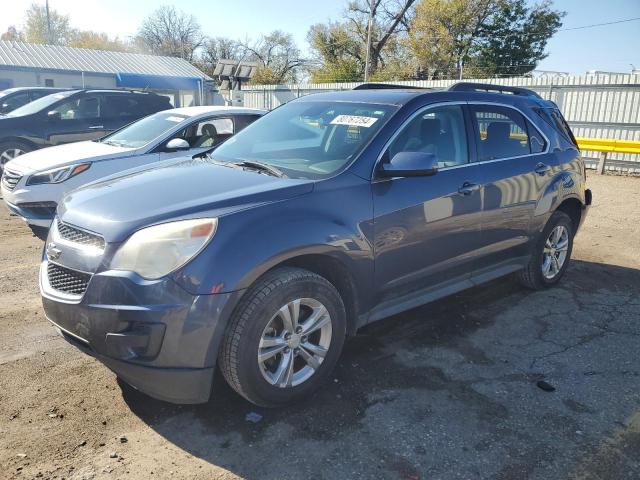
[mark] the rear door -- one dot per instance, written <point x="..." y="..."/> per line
<point x="515" y="167"/>
<point x="120" y="109"/>
<point x="427" y="229"/>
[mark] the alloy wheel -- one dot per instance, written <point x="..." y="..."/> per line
<point x="294" y="343"/>
<point x="9" y="154"/>
<point x="555" y="252"/>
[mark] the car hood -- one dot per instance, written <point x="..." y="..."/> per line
<point x="63" y="155"/>
<point x="189" y="189"/>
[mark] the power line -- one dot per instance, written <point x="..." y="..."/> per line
<point x="600" y="24"/>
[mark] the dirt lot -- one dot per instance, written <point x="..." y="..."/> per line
<point x="444" y="391"/>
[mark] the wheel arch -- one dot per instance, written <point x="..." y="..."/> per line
<point x="572" y="206"/>
<point x="14" y="138"/>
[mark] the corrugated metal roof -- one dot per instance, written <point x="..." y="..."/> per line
<point x="20" y="54"/>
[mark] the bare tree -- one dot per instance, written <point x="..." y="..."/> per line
<point x="168" y="31"/>
<point x="215" y="49"/>
<point x="278" y="57"/>
<point x="389" y="18"/>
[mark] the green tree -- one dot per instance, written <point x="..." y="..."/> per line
<point x="480" y="37"/>
<point x="514" y="39"/>
<point x="53" y="31"/>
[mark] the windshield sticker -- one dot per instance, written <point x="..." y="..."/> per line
<point x="174" y="119"/>
<point x="354" y="121"/>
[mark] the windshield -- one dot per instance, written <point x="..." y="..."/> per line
<point x="307" y="139"/>
<point x="142" y="132"/>
<point x="38" y="105"/>
<point x="6" y="92"/>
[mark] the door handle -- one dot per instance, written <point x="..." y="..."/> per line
<point x="542" y="169"/>
<point x="468" y="188"/>
<point x="96" y="127"/>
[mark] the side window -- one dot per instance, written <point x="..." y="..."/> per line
<point x="439" y="130"/>
<point x="500" y="133"/>
<point x="243" y="121"/>
<point x="207" y="133"/>
<point x="121" y="106"/>
<point x="536" y="140"/>
<point x="86" y="107"/>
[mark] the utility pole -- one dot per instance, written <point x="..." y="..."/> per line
<point x="367" y="58"/>
<point x="48" y="23"/>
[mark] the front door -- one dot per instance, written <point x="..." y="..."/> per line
<point x="427" y="230"/>
<point x="79" y="119"/>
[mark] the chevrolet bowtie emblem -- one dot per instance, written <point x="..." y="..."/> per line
<point x="53" y="252"/>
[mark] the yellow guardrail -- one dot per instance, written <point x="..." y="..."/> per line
<point x="606" y="146"/>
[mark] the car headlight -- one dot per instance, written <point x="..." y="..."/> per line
<point x="57" y="175"/>
<point x="154" y="252"/>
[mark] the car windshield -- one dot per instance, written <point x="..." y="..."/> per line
<point x="307" y="139"/>
<point x="6" y="92"/>
<point x="42" y="103"/>
<point x="142" y="132"/>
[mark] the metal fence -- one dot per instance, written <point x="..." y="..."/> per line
<point x="596" y="106"/>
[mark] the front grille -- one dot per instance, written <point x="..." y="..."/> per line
<point x="10" y="179"/>
<point x="75" y="235"/>
<point x="66" y="280"/>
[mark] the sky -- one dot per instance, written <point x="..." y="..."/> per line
<point x="606" y="48"/>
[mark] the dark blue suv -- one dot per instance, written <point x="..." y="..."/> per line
<point x="330" y="212"/>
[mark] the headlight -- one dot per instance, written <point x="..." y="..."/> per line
<point x="154" y="252"/>
<point x="57" y="175"/>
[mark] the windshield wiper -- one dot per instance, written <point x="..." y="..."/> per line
<point x="263" y="167"/>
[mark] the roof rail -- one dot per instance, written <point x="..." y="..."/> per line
<point x="488" y="87"/>
<point x="385" y="86"/>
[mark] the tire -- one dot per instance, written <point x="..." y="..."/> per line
<point x="258" y="326"/>
<point x="535" y="275"/>
<point x="12" y="149"/>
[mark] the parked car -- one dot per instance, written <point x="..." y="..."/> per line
<point x="33" y="184"/>
<point x="328" y="213"/>
<point x="13" y="98"/>
<point x="72" y="116"/>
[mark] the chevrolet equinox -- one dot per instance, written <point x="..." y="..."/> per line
<point x="328" y="213"/>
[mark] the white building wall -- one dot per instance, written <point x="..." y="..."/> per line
<point x="22" y="78"/>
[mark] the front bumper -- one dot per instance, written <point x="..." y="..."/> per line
<point x="38" y="214"/>
<point x="153" y="334"/>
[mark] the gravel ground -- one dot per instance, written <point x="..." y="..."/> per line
<point x="445" y="391"/>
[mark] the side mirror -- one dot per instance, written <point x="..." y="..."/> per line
<point x="53" y="116"/>
<point x="410" y="164"/>
<point x="178" y="144"/>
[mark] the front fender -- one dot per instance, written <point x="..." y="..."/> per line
<point x="335" y="222"/>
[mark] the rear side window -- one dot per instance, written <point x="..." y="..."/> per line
<point x="501" y="133"/>
<point x="122" y="106"/>
<point x="561" y="125"/>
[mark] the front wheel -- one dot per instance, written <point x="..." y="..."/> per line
<point x="10" y="150"/>
<point x="285" y="337"/>
<point x="552" y="253"/>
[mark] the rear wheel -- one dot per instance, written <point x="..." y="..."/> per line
<point x="552" y="254"/>
<point x="10" y="150"/>
<point x="285" y="338"/>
